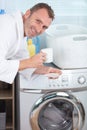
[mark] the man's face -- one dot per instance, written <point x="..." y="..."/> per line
<point x="36" y="23"/>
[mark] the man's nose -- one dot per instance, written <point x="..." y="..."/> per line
<point x="40" y="29"/>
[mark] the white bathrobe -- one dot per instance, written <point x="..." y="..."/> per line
<point x="12" y="46"/>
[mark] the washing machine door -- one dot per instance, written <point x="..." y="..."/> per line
<point x="57" y="111"/>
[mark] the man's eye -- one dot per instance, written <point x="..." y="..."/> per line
<point x="44" y="27"/>
<point x="38" y="21"/>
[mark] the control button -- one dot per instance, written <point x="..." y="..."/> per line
<point x="81" y="80"/>
<point x="64" y="78"/>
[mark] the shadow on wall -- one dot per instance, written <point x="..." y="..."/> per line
<point x="42" y="41"/>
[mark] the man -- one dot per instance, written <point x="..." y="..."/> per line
<point x="13" y="29"/>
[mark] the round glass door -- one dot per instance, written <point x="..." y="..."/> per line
<point x="57" y="111"/>
<point x="56" y="115"/>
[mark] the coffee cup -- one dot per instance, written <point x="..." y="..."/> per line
<point x="49" y="54"/>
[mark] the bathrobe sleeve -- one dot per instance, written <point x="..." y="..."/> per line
<point x="11" y="47"/>
<point x="9" y="43"/>
<point x="8" y="67"/>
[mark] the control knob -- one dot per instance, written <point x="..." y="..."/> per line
<point x="81" y="80"/>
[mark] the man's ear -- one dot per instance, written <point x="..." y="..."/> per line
<point x="27" y="14"/>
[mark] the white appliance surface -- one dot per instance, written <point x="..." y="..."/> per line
<point x="69" y="79"/>
<point x="30" y="90"/>
<point x="69" y="43"/>
<point x="27" y="101"/>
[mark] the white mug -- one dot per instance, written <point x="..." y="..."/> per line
<point x="49" y="54"/>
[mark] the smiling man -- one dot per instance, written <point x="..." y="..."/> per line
<point x="36" y="23"/>
<point x="13" y="53"/>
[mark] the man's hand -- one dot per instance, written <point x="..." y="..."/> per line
<point x="48" y="70"/>
<point x="33" y="62"/>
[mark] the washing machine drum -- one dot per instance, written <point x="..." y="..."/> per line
<point x="56" y="115"/>
<point x="57" y="111"/>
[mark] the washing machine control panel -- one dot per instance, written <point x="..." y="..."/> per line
<point x="69" y="79"/>
<point x="76" y="78"/>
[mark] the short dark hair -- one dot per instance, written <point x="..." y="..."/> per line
<point x="45" y="6"/>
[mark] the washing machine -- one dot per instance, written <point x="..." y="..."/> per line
<point x="52" y="104"/>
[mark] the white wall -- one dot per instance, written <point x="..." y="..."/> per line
<point x="61" y="7"/>
<point x="70" y="12"/>
<point x="22" y="5"/>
